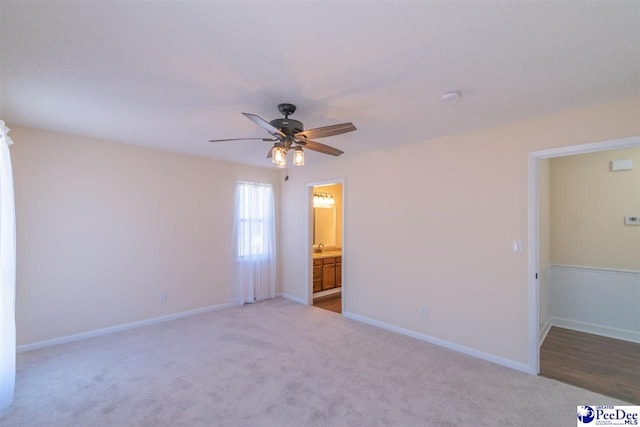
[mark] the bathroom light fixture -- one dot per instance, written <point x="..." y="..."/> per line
<point x="298" y="156"/>
<point x="323" y="200"/>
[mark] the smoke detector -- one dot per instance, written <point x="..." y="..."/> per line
<point x="451" y="96"/>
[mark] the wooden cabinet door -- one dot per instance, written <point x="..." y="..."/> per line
<point x="317" y="272"/>
<point x="338" y="274"/>
<point x="317" y="275"/>
<point x="329" y="276"/>
<point x="317" y="278"/>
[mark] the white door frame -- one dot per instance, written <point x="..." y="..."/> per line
<point x="310" y="185"/>
<point x="534" y="162"/>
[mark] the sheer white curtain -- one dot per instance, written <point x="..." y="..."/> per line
<point x="253" y="276"/>
<point x="7" y="274"/>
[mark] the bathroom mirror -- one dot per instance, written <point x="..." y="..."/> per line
<point x="324" y="226"/>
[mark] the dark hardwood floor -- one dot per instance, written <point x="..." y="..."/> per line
<point x="604" y="365"/>
<point x="331" y="303"/>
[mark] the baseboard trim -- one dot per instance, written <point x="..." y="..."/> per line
<point x="442" y="343"/>
<point x="294" y="299"/>
<point x="590" y="328"/>
<point x="120" y="328"/>
<point x="544" y="331"/>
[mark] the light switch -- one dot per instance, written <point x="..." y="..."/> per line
<point x="632" y="220"/>
<point x="517" y="246"/>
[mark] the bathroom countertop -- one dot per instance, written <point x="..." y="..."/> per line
<point x="326" y="254"/>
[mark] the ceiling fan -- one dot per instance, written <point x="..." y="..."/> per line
<point x="290" y="134"/>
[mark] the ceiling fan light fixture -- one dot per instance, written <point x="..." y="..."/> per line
<point x="279" y="155"/>
<point x="282" y="163"/>
<point x="298" y="156"/>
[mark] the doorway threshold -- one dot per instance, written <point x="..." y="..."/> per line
<point x="327" y="293"/>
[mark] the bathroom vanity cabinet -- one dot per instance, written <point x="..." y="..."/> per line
<point x="327" y="273"/>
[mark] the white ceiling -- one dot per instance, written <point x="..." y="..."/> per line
<point x="174" y="74"/>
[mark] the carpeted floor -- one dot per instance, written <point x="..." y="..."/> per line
<point x="278" y="363"/>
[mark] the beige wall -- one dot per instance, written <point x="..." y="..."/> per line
<point x="443" y="237"/>
<point x="103" y="228"/>
<point x="589" y="205"/>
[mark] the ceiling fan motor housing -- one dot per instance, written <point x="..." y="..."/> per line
<point x="288" y="126"/>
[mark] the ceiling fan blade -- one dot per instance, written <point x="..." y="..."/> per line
<point x="321" y="148"/>
<point x="326" y="131"/>
<point x="265" y="125"/>
<point x="241" y="139"/>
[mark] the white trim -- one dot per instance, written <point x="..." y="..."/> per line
<point x="309" y="271"/>
<point x="534" y="265"/>
<point x="544" y="331"/>
<point x="534" y="158"/>
<point x="294" y="299"/>
<point x="590" y="328"/>
<point x="598" y="269"/>
<point x="545" y="325"/>
<point x="344" y="232"/>
<point x="613" y="144"/>
<point x="442" y="343"/>
<point x="120" y="328"/>
<point x="309" y="243"/>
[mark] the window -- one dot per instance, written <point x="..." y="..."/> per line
<point x="255" y="220"/>
<point x="253" y="276"/>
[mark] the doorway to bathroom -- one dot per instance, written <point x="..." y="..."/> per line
<point x="327" y="246"/>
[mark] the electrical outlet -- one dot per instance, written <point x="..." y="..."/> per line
<point x="423" y="310"/>
<point x="163" y="296"/>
